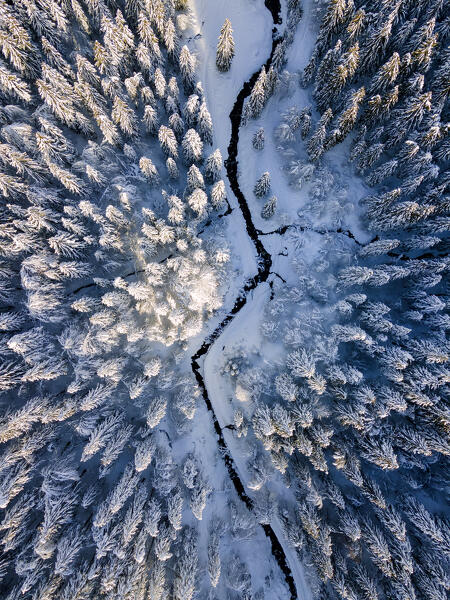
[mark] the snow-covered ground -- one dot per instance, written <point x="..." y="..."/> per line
<point x="243" y="332"/>
<point x="254" y="42"/>
<point x="221" y="90"/>
<point x="254" y="163"/>
<point x="252" y="32"/>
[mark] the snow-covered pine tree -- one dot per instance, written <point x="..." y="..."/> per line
<point x="218" y="194"/>
<point x="192" y="147"/>
<point x="194" y="179"/>
<point x="204" y="125"/>
<point x="259" y="139"/>
<point x="198" y="202"/>
<point x="214" y="563"/>
<point x="262" y="186"/>
<point x="258" y="95"/>
<point x="187" y="63"/>
<point x="225" y="47"/>
<point x="168" y="141"/>
<point x="213" y="167"/>
<point x="269" y="208"/>
<point x="172" y="168"/>
<point x="315" y="146"/>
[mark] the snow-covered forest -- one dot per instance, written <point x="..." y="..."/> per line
<point x="224" y="299"/>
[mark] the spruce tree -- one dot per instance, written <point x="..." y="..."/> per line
<point x="315" y="146"/>
<point x="269" y="208"/>
<point x="192" y="147"/>
<point x="262" y="186"/>
<point x="225" y="47"/>
<point x="198" y="201"/>
<point x="218" y="194"/>
<point x="172" y="168"/>
<point x="213" y="166"/>
<point x="259" y="139"/>
<point x="168" y="141"/>
<point x="187" y="65"/>
<point x="194" y="179"/>
<point x="204" y="126"/>
<point x="257" y="98"/>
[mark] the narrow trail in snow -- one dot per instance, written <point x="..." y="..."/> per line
<point x="265" y="263"/>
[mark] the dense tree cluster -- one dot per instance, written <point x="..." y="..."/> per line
<point x="356" y="425"/>
<point x="356" y="422"/>
<point x="103" y="278"/>
<point x="106" y="273"/>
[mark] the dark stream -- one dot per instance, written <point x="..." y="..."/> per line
<point x="264" y="265"/>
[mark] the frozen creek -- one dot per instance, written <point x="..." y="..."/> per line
<point x="272" y="530"/>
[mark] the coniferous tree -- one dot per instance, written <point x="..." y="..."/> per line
<point x="213" y="167"/>
<point x="174" y="512"/>
<point x="187" y="64"/>
<point x="168" y="141"/>
<point x="176" y="124"/>
<point x="262" y="186"/>
<point x="149" y="170"/>
<point x="257" y="98"/>
<point x="150" y="119"/>
<point x="172" y="168"/>
<point x="259" y="139"/>
<point x="192" y="147"/>
<point x="214" y="563"/>
<point x="316" y="142"/>
<point x="204" y="126"/>
<point x="198" y="201"/>
<point x="194" y="179"/>
<point x="225" y="47"/>
<point x="269" y="208"/>
<point x="218" y="194"/>
<point x="184" y="582"/>
<point x="190" y="110"/>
